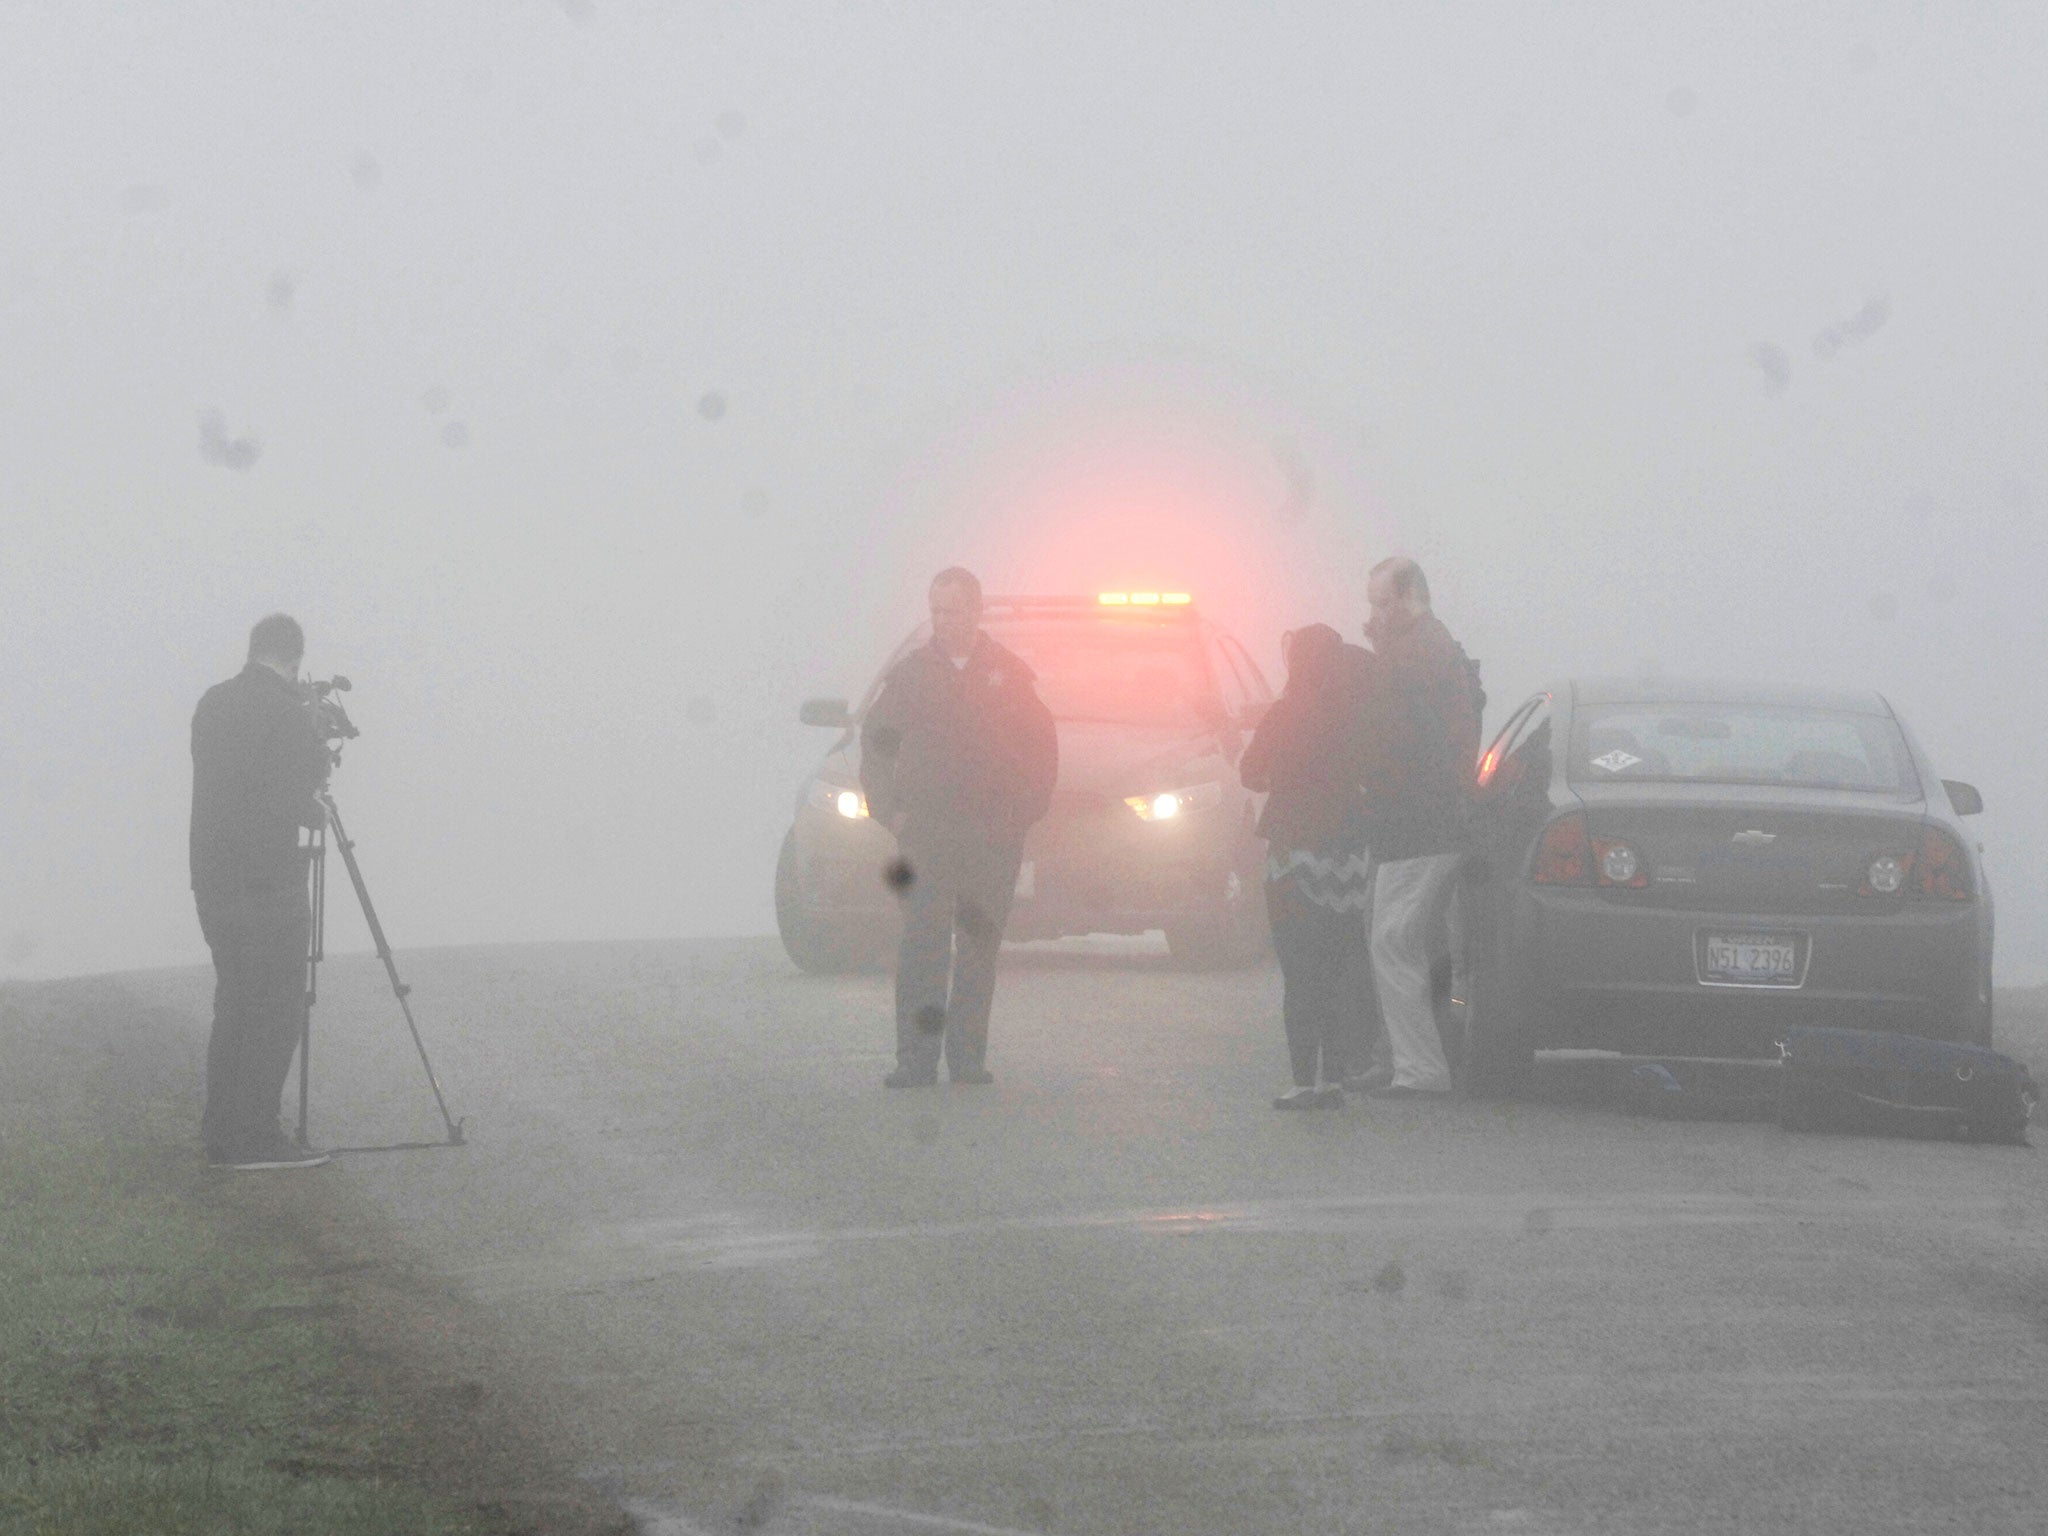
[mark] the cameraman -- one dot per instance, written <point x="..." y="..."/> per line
<point x="257" y="764"/>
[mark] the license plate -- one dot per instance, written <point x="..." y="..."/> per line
<point x="1750" y="959"/>
<point x="1027" y="881"/>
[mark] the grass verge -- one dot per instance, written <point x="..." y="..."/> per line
<point x="180" y="1351"/>
<point x="172" y="1366"/>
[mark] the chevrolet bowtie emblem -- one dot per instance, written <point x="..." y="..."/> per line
<point x="1755" y="839"/>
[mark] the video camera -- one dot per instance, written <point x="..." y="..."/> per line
<point x="330" y="720"/>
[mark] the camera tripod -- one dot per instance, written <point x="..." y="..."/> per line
<point x="316" y="951"/>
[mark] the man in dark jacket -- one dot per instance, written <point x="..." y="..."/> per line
<point x="1423" y="727"/>
<point x="958" y="758"/>
<point x="257" y="763"/>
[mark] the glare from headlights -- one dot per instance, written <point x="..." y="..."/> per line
<point x="840" y="800"/>
<point x="1173" y="804"/>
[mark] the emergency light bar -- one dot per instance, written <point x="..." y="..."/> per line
<point x="1143" y="599"/>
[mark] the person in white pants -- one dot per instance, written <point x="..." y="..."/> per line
<point x="1409" y="900"/>
<point x="1424" y="726"/>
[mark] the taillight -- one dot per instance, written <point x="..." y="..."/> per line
<point x="1886" y="875"/>
<point x="1940" y="868"/>
<point x="1563" y="857"/>
<point x="1618" y="864"/>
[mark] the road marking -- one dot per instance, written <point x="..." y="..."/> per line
<point x="733" y="1240"/>
<point x="901" y="1517"/>
<point x="654" y="1518"/>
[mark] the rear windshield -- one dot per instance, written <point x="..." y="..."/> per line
<point x="1114" y="670"/>
<point x="1741" y="744"/>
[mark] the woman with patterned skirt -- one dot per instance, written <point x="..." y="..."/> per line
<point x="1305" y="756"/>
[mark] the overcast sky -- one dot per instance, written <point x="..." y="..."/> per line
<point x="597" y="380"/>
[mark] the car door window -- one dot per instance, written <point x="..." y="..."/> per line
<point x="1511" y="759"/>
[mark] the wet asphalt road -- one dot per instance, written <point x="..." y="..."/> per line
<point x="1117" y="1292"/>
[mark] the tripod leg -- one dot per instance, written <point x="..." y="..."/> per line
<point x="316" y="876"/>
<point x="399" y="989"/>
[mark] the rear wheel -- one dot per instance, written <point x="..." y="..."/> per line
<point x="818" y="945"/>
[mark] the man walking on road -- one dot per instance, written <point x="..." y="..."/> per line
<point x="257" y="763"/>
<point x="1425" y="739"/>
<point x="958" y="758"/>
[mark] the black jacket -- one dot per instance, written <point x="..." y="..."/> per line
<point x="957" y="749"/>
<point x="1422" y="733"/>
<point x="257" y="762"/>
<point x="1307" y="752"/>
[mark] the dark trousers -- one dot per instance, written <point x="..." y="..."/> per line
<point x="258" y="936"/>
<point x="954" y="910"/>
<point x="1315" y="945"/>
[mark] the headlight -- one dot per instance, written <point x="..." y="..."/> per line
<point x="837" y="798"/>
<point x="1172" y="804"/>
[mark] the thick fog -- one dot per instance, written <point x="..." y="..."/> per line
<point x="596" y="381"/>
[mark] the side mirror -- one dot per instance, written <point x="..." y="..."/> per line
<point x="832" y="712"/>
<point x="1963" y="797"/>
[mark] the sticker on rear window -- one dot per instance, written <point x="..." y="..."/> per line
<point x="1616" y="760"/>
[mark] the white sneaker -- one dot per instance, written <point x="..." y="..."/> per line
<point x="280" y="1153"/>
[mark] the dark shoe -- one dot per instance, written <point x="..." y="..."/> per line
<point x="974" y="1077"/>
<point x="903" y="1077"/>
<point x="1299" y="1098"/>
<point x="1329" y="1096"/>
<point x="279" y="1153"/>
<point x="1397" y="1091"/>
